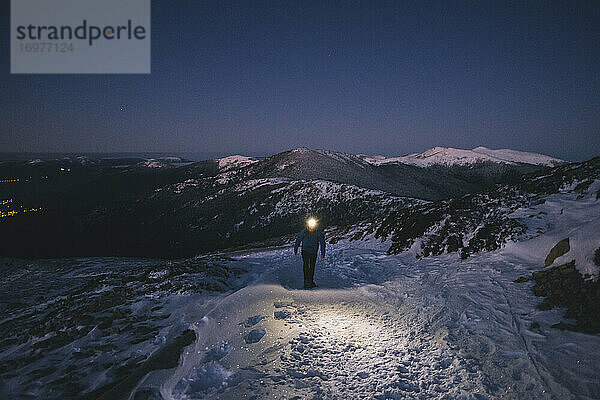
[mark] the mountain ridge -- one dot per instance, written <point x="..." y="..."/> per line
<point x="225" y="203"/>
<point x="450" y="156"/>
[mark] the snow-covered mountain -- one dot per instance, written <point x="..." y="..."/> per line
<point x="448" y="156"/>
<point x="417" y="298"/>
<point x="397" y="178"/>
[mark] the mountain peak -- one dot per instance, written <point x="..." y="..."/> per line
<point x="235" y="161"/>
<point x="301" y="150"/>
<point x="450" y="156"/>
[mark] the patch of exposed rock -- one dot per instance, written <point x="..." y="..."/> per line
<point x="563" y="286"/>
<point x="560" y="249"/>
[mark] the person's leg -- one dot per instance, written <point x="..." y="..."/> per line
<point x="311" y="272"/>
<point x="306" y="267"/>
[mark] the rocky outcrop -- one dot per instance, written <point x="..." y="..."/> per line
<point x="563" y="286"/>
<point x="560" y="249"/>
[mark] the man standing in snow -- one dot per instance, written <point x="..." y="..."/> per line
<point x="311" y="239"/>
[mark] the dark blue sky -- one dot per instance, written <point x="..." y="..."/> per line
<point x="372" y="77"/>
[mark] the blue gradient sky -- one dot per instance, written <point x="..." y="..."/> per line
<point x="370" y="77"/>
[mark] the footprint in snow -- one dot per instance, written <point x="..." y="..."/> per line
<point x="282" y="304"/>
<point x="284" y="314"/>
<point x="254" y="335"/>
<point x="216" y="353"/>
<point x="251" y="321"/>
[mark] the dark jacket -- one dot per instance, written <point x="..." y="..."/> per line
<point x="311" y="242"/>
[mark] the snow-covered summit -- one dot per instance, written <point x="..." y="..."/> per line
<point x="450" y="156"/>
<point x="235" y="161"/>
<point x="516" y="156"/>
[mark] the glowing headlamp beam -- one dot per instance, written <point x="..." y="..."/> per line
<point x="311" y="223"/>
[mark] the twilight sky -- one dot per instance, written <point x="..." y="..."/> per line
<point x="386" y="77"/>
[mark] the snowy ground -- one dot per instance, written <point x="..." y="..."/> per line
<point x="377" y="327"/>
<point x="383" y="327"/>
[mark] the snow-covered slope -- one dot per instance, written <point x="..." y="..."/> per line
<point x="448" y="156"/>
<point x="378" y="326"/>
<point x="516" y="156"/>
<point x="567" y="214"/>
<point x="549" y="206"/>
<point x="383" y="327"/>
<point x="247" y="211"/>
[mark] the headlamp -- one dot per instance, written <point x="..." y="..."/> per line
<point x="311" y="223"/>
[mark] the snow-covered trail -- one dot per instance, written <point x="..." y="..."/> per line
<point x="383" y="327"/>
